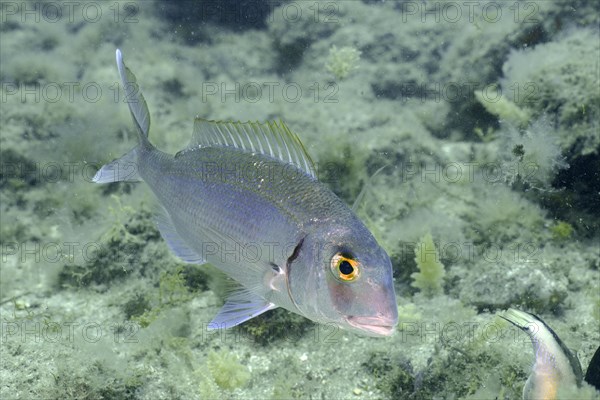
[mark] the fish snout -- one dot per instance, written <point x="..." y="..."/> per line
<point x="380" y="325"/>
<point x="381" y="315"/>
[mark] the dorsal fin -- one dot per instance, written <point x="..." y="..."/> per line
<point x="271" y="138"/>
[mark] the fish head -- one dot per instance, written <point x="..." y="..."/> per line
<point x="341" y="276"/>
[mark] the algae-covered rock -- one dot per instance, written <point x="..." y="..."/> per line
<point x="18" y="172"/>
<point x="294" y="29"/>
<point x="276" y="326"/>
<point x="231" y="14"/>
<point x="136" y="305"/>
<point x="531" y="156"/>
<point x="500" y="216"/>
<point x="503" y="283"/>
<point x="557" y="78"/>
<point x="127" y="250"/>
<point x="96" y="380"/>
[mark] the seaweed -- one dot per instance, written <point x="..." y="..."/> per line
<point x="431" y="273"/>
<point x="561" y="231"/>
<point x="136" y="305"/>
<point x="94" y="381"/>
<point x="455" y="372"/>
<point x="226" y="370"/>
<point x="18" y="172"/>
<point x="342" y="61"/>
<point x="116" y="255"/>
<point x="275" y="326"/>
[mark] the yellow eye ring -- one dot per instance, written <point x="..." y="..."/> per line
<point x="344" y="268"/>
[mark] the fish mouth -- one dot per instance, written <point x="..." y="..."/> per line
<point x="372" y="326"/>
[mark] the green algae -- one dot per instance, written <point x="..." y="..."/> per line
<point x="116" y="255"/>
<point x="342" y="61"/>
<point x="276" y="326"/>
<point x="562" y="230"/>
<point x="226" y="370"/>
<point x="431" y="273"/>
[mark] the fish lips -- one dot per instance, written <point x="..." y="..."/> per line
<point x="372" y="326"/>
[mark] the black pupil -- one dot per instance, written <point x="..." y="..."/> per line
<point x="346" y="268"/>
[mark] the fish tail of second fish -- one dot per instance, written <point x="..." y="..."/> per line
<point x="126" y="167"/>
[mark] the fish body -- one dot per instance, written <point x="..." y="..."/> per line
<point x="554" y="366"/>
<point x="244" y="197"/>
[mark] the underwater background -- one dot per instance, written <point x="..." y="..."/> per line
<point x="484" y="114"/>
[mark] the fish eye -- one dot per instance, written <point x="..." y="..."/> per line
<point x="344" y="268"/>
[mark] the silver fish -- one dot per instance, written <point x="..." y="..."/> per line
<point x="244" y="197"/>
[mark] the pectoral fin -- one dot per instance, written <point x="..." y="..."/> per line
<point x="240" y="307"/>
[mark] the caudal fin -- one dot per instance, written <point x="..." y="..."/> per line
<point x="125" y="168"/>
<point x="592" y="375"/>
<point x="134" y="99"/>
